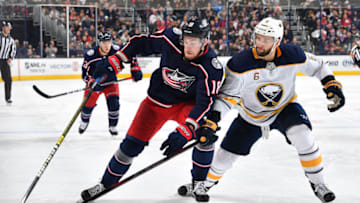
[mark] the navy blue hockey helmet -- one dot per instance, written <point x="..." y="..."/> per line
<point x="104" y="36"/>
<point x="196" y="27"/>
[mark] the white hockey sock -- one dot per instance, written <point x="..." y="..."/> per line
<point x="223" y="161"/>
<point x="309" y="153"/>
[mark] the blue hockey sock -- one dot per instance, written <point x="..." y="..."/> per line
<point x="202" y="157"/>
<point x="86" y="113"/>
<point x="116" y="168"/>
<point x="113" y="108"/>
<point x="130" y="147"/>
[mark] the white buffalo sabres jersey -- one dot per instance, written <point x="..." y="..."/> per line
<point x="260" y="89"/>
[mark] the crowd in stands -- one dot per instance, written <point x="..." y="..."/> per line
<point x="331" y="28"/>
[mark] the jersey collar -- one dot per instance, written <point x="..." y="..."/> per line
<point x="278" y="53"/>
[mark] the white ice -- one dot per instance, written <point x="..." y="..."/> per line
<point x="31" y="126"/>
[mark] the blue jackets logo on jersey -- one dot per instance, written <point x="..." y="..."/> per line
<point x="270" y="94"/>
<point x="176" y="79"/>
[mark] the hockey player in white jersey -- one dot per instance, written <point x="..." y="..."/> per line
<point x="260" y="83"/>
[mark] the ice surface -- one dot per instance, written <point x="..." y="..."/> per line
<point x="31" y="126"/>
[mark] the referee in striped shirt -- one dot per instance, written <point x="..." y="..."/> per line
<point x="7" y="54"/>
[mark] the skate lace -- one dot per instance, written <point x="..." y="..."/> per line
<point x="96" y="189"/>
<point x="200" y="188"/>
<point x="321" y="189"/>
<point x="83" y="125"/>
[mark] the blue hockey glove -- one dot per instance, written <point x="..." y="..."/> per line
<point x="333" y="90"/>
<point x="103" y="69"/>
<point x="136" y="70"/>
<point x="206" y="134"/>
<point x="178" y="138"/>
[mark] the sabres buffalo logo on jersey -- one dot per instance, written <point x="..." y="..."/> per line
<point x="176" y="79"/>
<point x="269" y="95"/>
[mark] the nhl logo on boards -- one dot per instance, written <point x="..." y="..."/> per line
<point x="176" y="79"/>
<point x="270" y="94"/>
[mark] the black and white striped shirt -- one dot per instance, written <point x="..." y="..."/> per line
<point x="7" y="47"/>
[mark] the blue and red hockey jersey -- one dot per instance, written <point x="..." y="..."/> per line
<point x="178" y="80"/>
<point x="91" y="58"/>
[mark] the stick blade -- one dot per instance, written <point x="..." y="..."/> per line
<point x="37" y="90"/>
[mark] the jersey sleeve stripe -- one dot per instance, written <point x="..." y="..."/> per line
<point x="168" y="41"/>
<point x="206" y="77"/>
<point x="206" y="110"/>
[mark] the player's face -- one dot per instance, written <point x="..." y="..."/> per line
<point x="105" y="47"/>
<point x="192" y="47"/>
<point x="264" y="44"/>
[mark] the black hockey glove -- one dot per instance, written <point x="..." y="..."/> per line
<point x="136" y="70"/>
<point x="333" y="90"/>
<point x="206" y="134"/>
<point x="178" y="138"/>
<point x="355" y="55"/>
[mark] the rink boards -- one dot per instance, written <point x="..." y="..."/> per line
<point x="70" y="68"/>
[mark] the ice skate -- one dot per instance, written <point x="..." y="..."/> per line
<point x="83" y="127"/>
<point x="197" y="189"/>
<point x="113" y="130"/>
<point x="91" y="192"/>
<point x="322" y="192"/>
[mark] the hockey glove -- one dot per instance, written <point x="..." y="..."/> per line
<point x="355" y="54"/>
<point x="136" y="70"/>
<point x="102" y="69"/>
<point x="178" y="138"/>
<point x="97" y="87"/>
<point x="333" y="90"/>
<point x="206" y="134"/>
<point x="115" y="62"/>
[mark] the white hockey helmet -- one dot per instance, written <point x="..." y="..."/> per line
<point x="269" y="27"/>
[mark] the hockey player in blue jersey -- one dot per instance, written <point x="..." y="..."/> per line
<point x="182" y="89"/>
<point x="260" y="83"/>
<point x="92" y="68"/>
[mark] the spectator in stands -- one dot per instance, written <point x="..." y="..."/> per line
<point x="86" y="22"/>
<point x="51" y="50"/>
<point x="23" y="50"/>
<point x="72" y="50"/>
<point x="18" y="48"/>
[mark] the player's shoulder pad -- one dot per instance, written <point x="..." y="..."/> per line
<point x="90" y="53"/>
<point x="210" y="60"/>
<point x="243" y="61"/>
<point x="173" y="34"/>
<point x="291" y="54"/>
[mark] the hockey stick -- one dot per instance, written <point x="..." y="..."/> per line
<point x="58" y="143"/>
<point x="140" y="172"/>
<point x="73" y="91"/>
